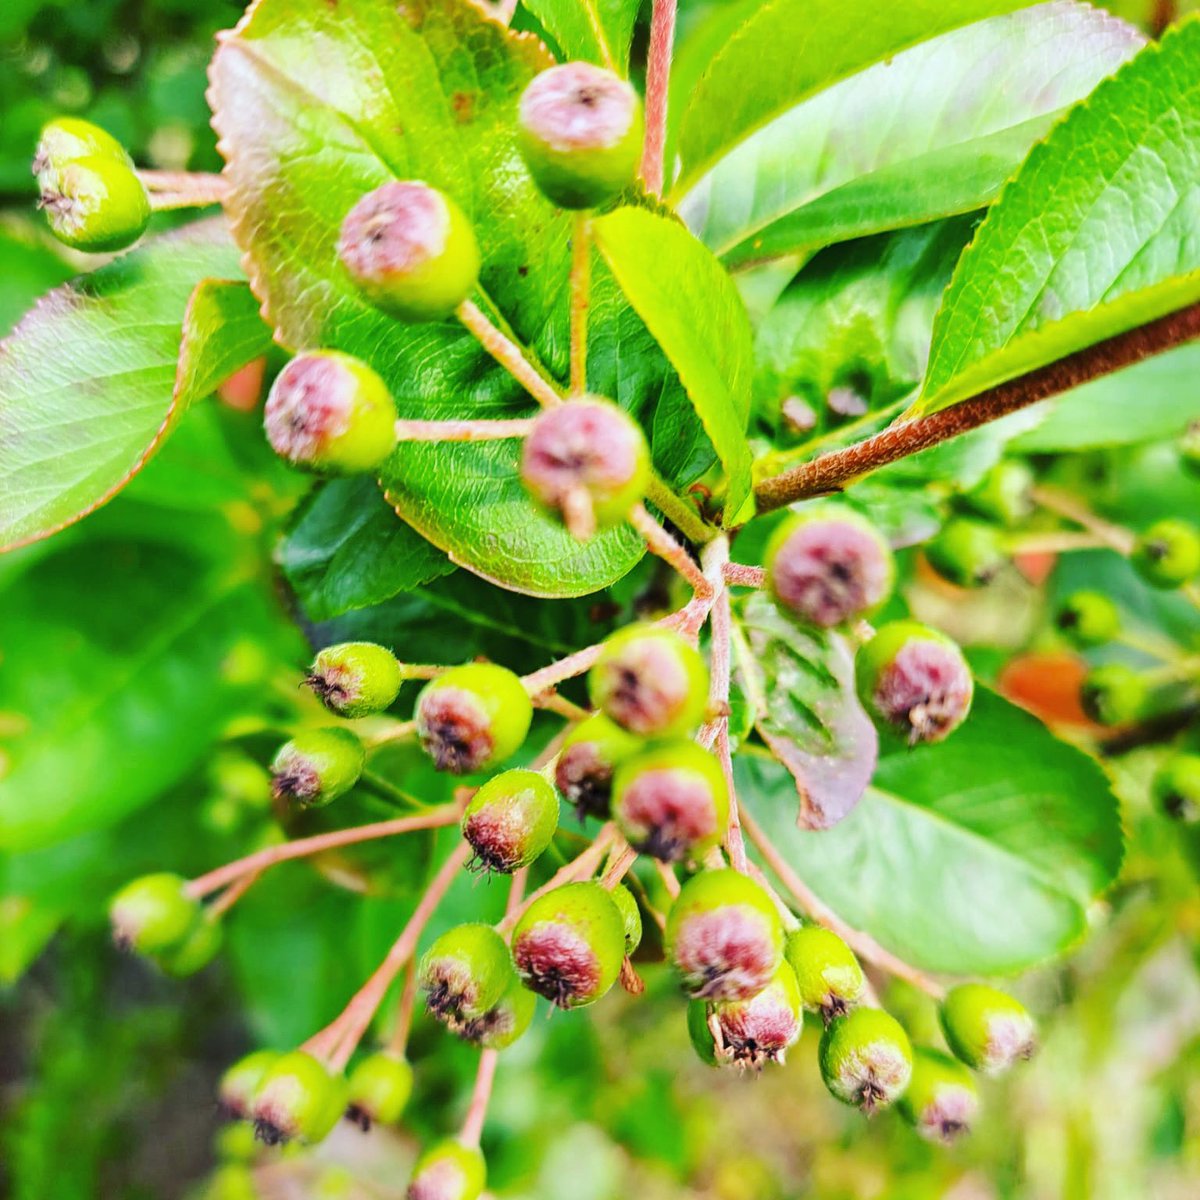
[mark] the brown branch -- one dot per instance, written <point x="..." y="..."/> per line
<point x="831" y="472"/>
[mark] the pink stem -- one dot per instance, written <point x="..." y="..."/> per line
<point x="472" y="1128"/>
<point x="508" y="354"/>
<point x="1065" y="505"/>
<point x="669" y="878"/>
<point x="232" y="894"/>
<point x="182" y="189"/>
<point x="658" y="77"/>
<point x="462" y="431"/>
<point x="583" y="866"/>
<point x="623" y="857"/>
<point x="743" y="576"/>
<point x="398" y="1042"/>
<point x="660" y="542"/>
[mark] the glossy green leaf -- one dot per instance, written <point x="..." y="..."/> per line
<point x="315" y="106"/>
<point x="800" y="680"/>
<point x="89" y="379"/>
<point x="934" y="131"/>
<point x="347" y="549"/>
<point x="692" y="308"/>
<point x="980" y="854"/>
<point x="597" y="31"/>
<point x="789" y="49"/>
<point x="1096" y="234"/>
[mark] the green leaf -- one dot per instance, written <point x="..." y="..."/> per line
<point x="597" y="31"/>
<point x="1096" y="234"/>
<point x="347" y="549"/>
<point x="30" y="269"/>
<point x="90" y="380"/>
<point x="789" y="49"/>
<point x="800" y="681"/>
<point x="692" y="308"/>
<point x="934" y="131"/>
<point x="980" y="854"/>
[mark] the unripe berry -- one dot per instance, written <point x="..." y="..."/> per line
<point x="569" y="944"/>
<point x="827" y="565"/>
<point x="235" y="1093"/>
<point x="1005" y="492"/>
<point x="378" y="1089"/>
<point x="866" y="1058"/>
<point x="724" y="936"/>
<point x="153" y="914"/>
<point x="586" y="462"/>
<point x="1189" y="449"/>
<point x="986" y="1028"/>
<point x="1176" y="787"/>
<point x="588" y="759"/>
<point x="631" y="915"/>
<point x="473" y="717"/>
<point x="914" y="681"/>
<point x="504" y="1022"/>
<point x="651" y="681"/>
<point x="580" y="133"/>
<point x="749" y="1033"/>
<point x="671" y="801"/>
<point x="942" y="1100"/>
<point x="448" y="1171"/>
<point x="1113" y="694"/>
<point x="95" y="203"/>
<point x="68" y="139"/>
<point x="197" y="950"/>
<point x="297" y="1098"/>
<point x="355" y="679"/>
<point x="1089" y="618"/>
<point x="411" y="251"/>
<point x="1167" y="554"/>
<point x="830" y="978"/>
<point x="329" y="412"/>
<point x="317" y="766"/>
<point x="465" y="973"/>
<point x="967" y="552"/>
<point x="511" y="820"/>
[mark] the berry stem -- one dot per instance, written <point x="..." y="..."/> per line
<point x="1055" y="541"/>
<point x="384" y="789"/>
<point x="865" y="946"/>
<point x="232" y="894"/>
<point x="741" y="575"/>
<point x="831" y="472"/>
<point x="398" y="1041"/>
<point x="255" y="863"/>
<point x="182" y="189"/>
<point x="357" y="1015"/>
<point x="669" y="879"/>
<point x="395" y="731"/>
<point x="581" y="281"/>
<point x="1104" y="532"/>
<point x="516" y="890"/>
<point x="551" y="701"/>
<point x="507" y="353"/>
<point x="620" y="860"/>
<point x="461" y="431"/>
<point x="660" y="542"/>
<point x="472" y="1127"/>
<point x="658" y="77"/>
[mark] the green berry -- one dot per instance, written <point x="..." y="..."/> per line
<point x="650" y="681"/>
<point x="378" y="1089"/>
<point x="1167" y="555"/>
<point x="631" y="915"/>
<point x="986" y="1028"/>
<point x="569" y="944"/>
<point x="465" y="973"/>
<point x="1189" y="449"/>
<point x="830" y="979"/>
<point x="1089" y="618"/>
<point x="448" y="1171"/>
<point x="511" y="820"/>
<point x="588" y="759"/>
<point x="154" y="914"/>
<point x="865" y="1058"/>
<point x="586" y="462"/>
<point x="231" y="1181"/>
<point x="724" y="936"/>
<point x="1176" y="788"/>
<point x="355" y="679"/>
<point x="827" y="565"/>
<point x="504" y="1022"/>
<point x="671" y="801"/>
<point x="68" y="139"/>
<point x="235" y="1093"/>
<point x="967" y="552"/>
<point x="317" y="766"/>
<point x="411" y="251"/>
<point x="914" y="681"/>
<point x="297" y="1099"/>
<point x="198" y="949"/>
<point x="580" y="133"/>
<point x="1113" y="694"/>
<point x="752" y="1032"/>
<point x="96" y="203"/>
<point x="1005" y="493"/>
<point x="473" y="717"/>
<point x="329" y="412"/>
<point x="942" y="1100"/>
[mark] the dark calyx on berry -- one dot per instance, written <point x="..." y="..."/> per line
<point x="510" y="820"/>
<point x="588" y="760"/>
<point x="751" y="1033"/>
<point x="472" y="716"/>
<point x="465" y="973"/>
<point x="456" y="731"/>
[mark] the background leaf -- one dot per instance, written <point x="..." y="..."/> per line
<point x="597" y="31"/>
<point x="977" y="855"/>
<point x="1097" y="233"/>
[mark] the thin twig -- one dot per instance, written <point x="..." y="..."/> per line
<point x="231" y="895"/>
<point x="741" y="575"/>
<point x="831" y="472"/>
<point x="669" y="878"/>
<point x="507" y="353"/>
<point x="183" y="189"/>
<point x="620" y="860"/>
<point x="462" y="431"/>
<point x="472" y="1127"/>
<point x="1073" y="509"/>
<point x="679" y="512"/>
<point x="581" y="279"/>
<point x="398" y="1042"/>
<point x="660" y="542"/>
<point x="658" y="78"/>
